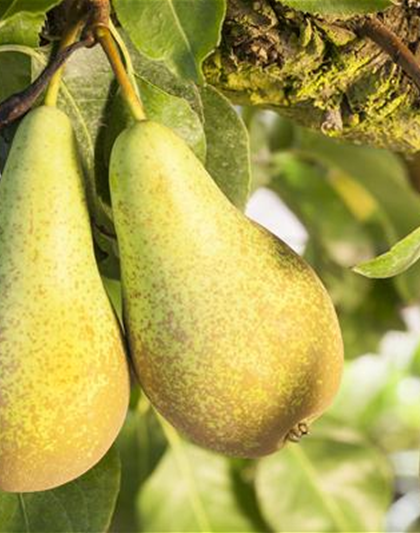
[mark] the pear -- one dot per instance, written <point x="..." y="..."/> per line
<point x="234" y="339"/>
<point x="64" y="381"/>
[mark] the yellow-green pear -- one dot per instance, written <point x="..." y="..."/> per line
<point x="233" y="337"/>
<point x="64" y="382"/>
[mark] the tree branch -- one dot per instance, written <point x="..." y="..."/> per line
<point x="18" y="104"/>
<point x="324" y="73"/>
<point x="393" y="46"/>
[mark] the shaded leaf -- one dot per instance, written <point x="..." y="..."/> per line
<point x="113" y="289"/>
<point x="9" y="8"/>
<point x="15" y="73"/>
<point x="228" y="150"/>
<point x="141" y="445"/>
<point x="181" y="33"/>
<point x="83" y="506"/>
<point x="333" y="481"/>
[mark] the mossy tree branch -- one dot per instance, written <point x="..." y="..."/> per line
<point x="327" y="74"/>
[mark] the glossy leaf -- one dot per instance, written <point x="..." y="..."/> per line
<point x="82" y="506"/>
<point x="181" y="33"/>
<point x="333" y="481"/>
<point x="399" y="258"/>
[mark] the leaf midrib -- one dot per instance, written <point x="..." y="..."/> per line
<point x="181" y="31"/>
<point x="183" y="464"/>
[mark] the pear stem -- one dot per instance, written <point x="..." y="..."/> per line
<point x="126" y="56"/>
<point x="122" y="46"/>
<point x="68" y="39"/>
<point x="106" y="40"/>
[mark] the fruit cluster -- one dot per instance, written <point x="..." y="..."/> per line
<point x="231" y="335"/>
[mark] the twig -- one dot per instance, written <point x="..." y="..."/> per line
<point x="18" y="104"/>
<point x="390" y="43"/>
<point x="100" y="13"/>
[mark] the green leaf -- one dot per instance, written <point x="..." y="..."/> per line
<point x="9" y="8"/>
<point x="167" y="109"/>
<point x="22" y="29"/>
<point x="228" y="150"/>
<point x="399" y="258"/>
<point x="83" y="506"/>
<point x="181" y="33"/>
<point x="141" y="444"/>
<point x="159" y="75"/>
<point x="85" y="97"/>
<point x="17" y="62"/>
<point x="338" y="7"/>
<point x="21" y="21"/>
<point x="175" y="113"/>
<point x="18" y="68"/>
<point x="191" y="490"/>
<point x="333" y="481"/>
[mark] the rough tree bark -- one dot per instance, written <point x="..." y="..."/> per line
<point x="321" y="72"/>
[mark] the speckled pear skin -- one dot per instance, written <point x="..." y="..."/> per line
<point x="233" y="337"/>
<point x="64" y="382"/>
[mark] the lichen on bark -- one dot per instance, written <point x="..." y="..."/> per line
<point x="320" y="72"/>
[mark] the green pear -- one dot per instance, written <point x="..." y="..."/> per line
<point x="233" y="337"/>
<point x="64" y="381"/>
